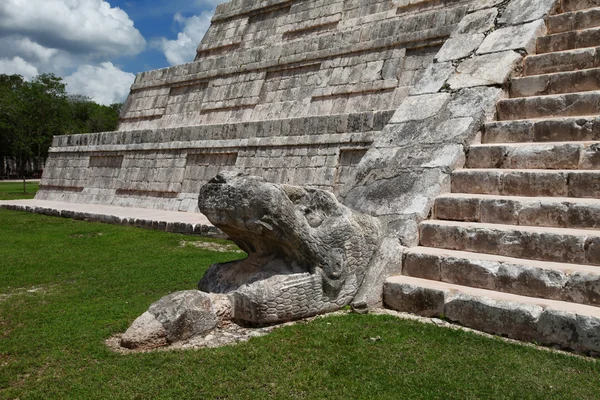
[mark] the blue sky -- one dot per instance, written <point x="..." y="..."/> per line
<point x="98" y="46"/>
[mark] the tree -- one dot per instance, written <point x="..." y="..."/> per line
<point x="31" y="113"/>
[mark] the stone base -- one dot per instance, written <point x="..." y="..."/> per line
<point x="168" y="221"/>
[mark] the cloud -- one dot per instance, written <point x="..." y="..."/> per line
<point x="17" y="66"/>
<point x="105" y="84"/>
<point x="183" y="49"/>
<point x="76" y="26"/>
<point x="62" y="36"/>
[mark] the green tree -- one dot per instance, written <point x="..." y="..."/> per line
<point x="31" y="113"/>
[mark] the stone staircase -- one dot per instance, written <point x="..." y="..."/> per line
<point x="514" y="250"/>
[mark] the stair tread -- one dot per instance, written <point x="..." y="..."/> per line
<point x="570" y="20"/>
<point x="522" y="228"/>
<point x="573" y="308"/>
<point x="553" y="83"/>
<point x="592" y="29"/>
<point x="557" y="73"/>
<point x="582" y="201"/>
<point x="547" y="96"/>
<point x="564" y="267"/>
<point x="536" y="144"/>
<point x="523" y="170"/>
<point x="548" y="118"/>
<point x="582" y="39"/>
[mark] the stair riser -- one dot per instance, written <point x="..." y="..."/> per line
<point x="513" y="320"/>
<point x="566" y="105"/>
<point x="575" y="5"/>
<point x="569" y="129"/>
<point x="574" y="21"/>
<point x="558" y="214"/>
<point x="569" y="41"/>
<point x="566" y="82"/>
<point x="582" y="288"/>
<point x="562" y="62"/>
<point x="527" y="183"/>
<point x="537" y="245"/>
<point x="563" y="156"/>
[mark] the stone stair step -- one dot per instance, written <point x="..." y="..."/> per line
<point x="573" y="246"/>
<point x="556" y="83"/>
<point x="527" y="182"/>
<point x="554" y="212"/>
<point x="575" y="5"/>
<point x="559" y="105"/>
<point x="569" y="60"/>
<point x="561" y="155"/>
<point x="549" y="322"/>
<point x="555" y="281"/>
<point x="569" y="41"/>
<point x="573" y="21"/>
<point x="542" y="130"/>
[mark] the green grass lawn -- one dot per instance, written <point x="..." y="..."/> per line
<point x="66" y="286"/>
<point x="14" y="191"/>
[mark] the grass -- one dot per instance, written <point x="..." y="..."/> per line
<point x="14" y="190"/>
<point x="66" y="286"/>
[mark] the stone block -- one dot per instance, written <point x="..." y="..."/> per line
<point x="459" y="47"/>
<point x="478" y="22"/>
<point x="414" y="299"/>
<point x="417" y="108"/>
<point x="514" y="320"/>
<point x="521" y="11"/>
<point x="433" y="79"/>
<point x="518" y="37"/>
<point x="485" y="70"/>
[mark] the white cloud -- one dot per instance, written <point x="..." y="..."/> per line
<point x="76" y="26"/>
<point x="105" y="84"/>
<point x="17" y="66"/>
<point x="62" y="36"/>
<point x="183" y="49"/>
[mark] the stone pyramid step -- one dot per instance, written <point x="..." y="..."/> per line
<point x="543" y="130"/>
<point x="527" y="182"/>
<point x="556" y="83"/>
<point x="564" y="282"/>
<point x="560" y="155"/>
<point x="554" y="212"/>
<point x="575" y="5"/>
<point x="549" y="322"/>
<point x="569" y="40"/>
<point x="574" y="21"/>
<point x="569" y="60"/>
<point x="560" y="105"/>
<point x="562" y="245"/>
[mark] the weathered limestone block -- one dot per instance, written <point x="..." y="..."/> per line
<point x="489" y="69"/>
<point x="477" y="22"/>
<point x="307" y="253"/>
<point x="518" y="37"/>
<point x="433" y="78"/>
<point x="520" y="11"/>
<point x="176" y="317"/>
<point x="459" y="47"/>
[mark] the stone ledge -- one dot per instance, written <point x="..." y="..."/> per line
<point x="307" y="140"/>
<point x="160" y="224"/>
<point x="548" y="322"/>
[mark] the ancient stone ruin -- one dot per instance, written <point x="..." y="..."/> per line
<point x="435" y="156"/>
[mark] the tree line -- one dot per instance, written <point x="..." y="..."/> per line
<point x="31" y="112"/>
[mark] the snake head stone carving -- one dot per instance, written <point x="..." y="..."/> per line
<point x="307" y="253"/>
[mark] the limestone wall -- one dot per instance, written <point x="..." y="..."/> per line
<point x="295" y="58"/>
<point x="303" y="92"/>
<point x="165" y="168"/>
<point x="294" y="91"/>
